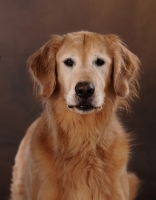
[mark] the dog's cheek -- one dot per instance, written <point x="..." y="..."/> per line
<point x="64" y="79"/>
<point x="99" y="99"/>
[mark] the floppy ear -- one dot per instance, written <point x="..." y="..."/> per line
<point x="42" y="67"/>
<point x="125" y="68"/>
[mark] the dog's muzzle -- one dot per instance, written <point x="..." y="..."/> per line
<point x="84" y="92"/>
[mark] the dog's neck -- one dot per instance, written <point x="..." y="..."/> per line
<point x="74" y="133"/>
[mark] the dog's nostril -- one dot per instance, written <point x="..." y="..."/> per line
<point x="84" y="89"/>
<point x="90" y="91"/>
<point x="80" y="92"/>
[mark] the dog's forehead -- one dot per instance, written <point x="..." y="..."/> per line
<point x="82" y="42"/>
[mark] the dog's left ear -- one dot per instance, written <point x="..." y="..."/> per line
<point x="42" y="66"/>
<point x="125" y="68"/>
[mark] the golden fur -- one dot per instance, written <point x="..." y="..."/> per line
<point x="71" y="154"/>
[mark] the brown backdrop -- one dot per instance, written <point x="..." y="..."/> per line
<point x="26" y="25"/>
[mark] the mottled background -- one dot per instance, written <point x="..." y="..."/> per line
<point x="25" y="25"/>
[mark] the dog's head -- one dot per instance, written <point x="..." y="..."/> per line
<point x="87" y="67"/>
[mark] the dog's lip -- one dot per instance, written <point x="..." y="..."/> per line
<point x="84" y="107"/>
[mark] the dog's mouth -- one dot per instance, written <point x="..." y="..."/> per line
<point x="84" y="108"/>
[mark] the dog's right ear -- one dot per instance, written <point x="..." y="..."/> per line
<point x="42" y="67"/>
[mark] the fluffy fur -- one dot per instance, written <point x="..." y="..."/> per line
<point x="72" y="154"/>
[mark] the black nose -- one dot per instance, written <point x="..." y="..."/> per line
<point x="84" y="89"/>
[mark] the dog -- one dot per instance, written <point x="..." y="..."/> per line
<point x="77" y="149"/>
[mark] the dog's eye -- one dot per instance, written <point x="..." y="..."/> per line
<point x="69" y="62"/>
<point x="99" y="62"/>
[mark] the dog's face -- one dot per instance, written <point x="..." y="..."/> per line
<point x="86" y="65"/>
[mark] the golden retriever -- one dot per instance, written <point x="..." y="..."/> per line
<point x="77" y="149"/>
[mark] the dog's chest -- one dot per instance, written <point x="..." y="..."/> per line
<point x="85" y="179"/>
